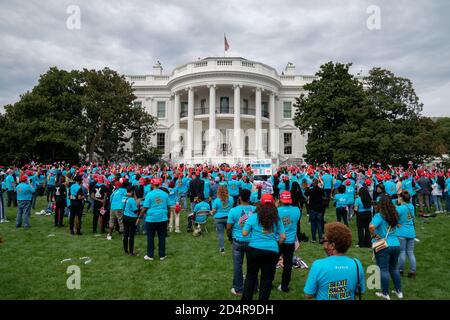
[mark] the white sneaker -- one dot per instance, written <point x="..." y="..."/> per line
<point x="162" y="258"/>
<point x="109" y="237"/>
<point x="148" y="258"/>
<point x="381" y="295"/>
<point x="177" y="231"/>
<point x="399" y="294"/>
<point x="5" y="221"/>
<point x="279" y="288"/>
<point x="235" y="293"/>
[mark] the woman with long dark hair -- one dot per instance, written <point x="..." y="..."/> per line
<point x="363" y="209"/>
<point x="267" y="233"/>
<point x="383" y="227"/>
<point x="297" y="196"/>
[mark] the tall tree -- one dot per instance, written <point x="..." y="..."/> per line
<point x="325" y="111"/>
<point x="45" y="124"/>
<point x="347" y="122"/>
<point x="70" y="114"/>
<point x="107" y="103"/>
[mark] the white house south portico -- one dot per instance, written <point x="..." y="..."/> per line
<point x="224" y="110"/>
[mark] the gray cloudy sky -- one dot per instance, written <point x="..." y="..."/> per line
<point x="130" y="36"/>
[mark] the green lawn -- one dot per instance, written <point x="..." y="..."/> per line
<point x="31" y="268"/>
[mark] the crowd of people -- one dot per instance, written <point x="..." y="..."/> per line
<point x="260" y="215"/>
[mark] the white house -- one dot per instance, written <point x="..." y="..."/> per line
<point x="221" y="109"/>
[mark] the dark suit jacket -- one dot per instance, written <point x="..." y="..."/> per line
<point x="196" y="188"/>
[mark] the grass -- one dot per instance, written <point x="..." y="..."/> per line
<point x="31" y="268"/>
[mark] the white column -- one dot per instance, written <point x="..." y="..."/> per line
<point x="258" y="123"/>
<point x="212" y="152"/>
<point x="176" y="125"/>
<point x="272" y="133"/>
<point x="190" y="130"/>
<point x="237" y="150"/>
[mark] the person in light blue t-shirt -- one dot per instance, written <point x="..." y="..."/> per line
<point x="130" y="217"/>
<point x="235" y="222"/>
<point x="406" y="233"/>
<point x="290" y="216"/>
<point x="156" y="205"/>
<point x="363" y="208"/>
<point x="336" y="277"/>
<point x="383" y="226"/>
<point x="221" y="207"/>
<point x="341" y="202"/>
<point x="204" y="207"/>
<point x="266" y="234"/>
<point x="24" y="197"/>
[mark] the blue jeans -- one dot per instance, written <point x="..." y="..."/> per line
<point x="387" y="261"/>
<point x="351" y="212"/>
<point x="447" y="200"/>
<point x="239" y="251"/>
<point x="437" y="203"/>
<point x="23" y="212"/>
<point x="184" y="202"/>
<point x="33" y="201"/>
<point x="316" y="223"/>
<point x="407" y="248"/>
<point x="221" y="225"/>
<point x="235" y="200"/>
<point x="2" y="207"/>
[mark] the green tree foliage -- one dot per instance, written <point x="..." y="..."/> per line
<point x="45" y="124"/>
<point x="69" y="115"/>
<point x="443" y="135"/>
<point x="377" y="119"/>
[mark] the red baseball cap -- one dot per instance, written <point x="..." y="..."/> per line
<point x="367" y="182"/>
<point x="142" y="181"/>
<point x="156" y="181"/>
<point x="233" y="176"/>
<point x="286" y="178"/>
<point x="267" y="199"/>
<point x="117" y="184"/>
<point x="23" y="178"/>
<point x="285" y="197"/>
<point x="347" y="182"/>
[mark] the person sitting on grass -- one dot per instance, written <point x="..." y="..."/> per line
<point x="201" y="206"/>
<point x="336" y="277"/>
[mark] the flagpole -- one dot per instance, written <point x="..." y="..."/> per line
<point x="224" y="37"/>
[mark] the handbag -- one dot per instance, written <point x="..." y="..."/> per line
<point x="381" y="244"/>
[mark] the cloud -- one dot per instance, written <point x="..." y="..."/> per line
<point x="129" y="36"/>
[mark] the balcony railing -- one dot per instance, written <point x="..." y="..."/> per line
<point x="230" y="110"/>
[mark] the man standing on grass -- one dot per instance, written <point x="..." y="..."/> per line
<point x="76" y="196"/>
<point x="10" y="183"/>
<point x="196" y="188"/>
<point x="98" y="194"/>
<point x="24" y="198"/>
<point x="156" y="206"/>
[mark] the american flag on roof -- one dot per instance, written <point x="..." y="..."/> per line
<point x="227" y="46"/>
